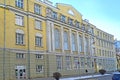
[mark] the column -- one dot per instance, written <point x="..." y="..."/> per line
<point x="78" y="43"/>
<point x="70" y="40"/>
<point x="48" y="35"/>
<point x="62" y="39"/>
<point x="53" y="39"/>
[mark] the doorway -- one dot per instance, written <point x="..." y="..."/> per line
<point x="20" y="72"/>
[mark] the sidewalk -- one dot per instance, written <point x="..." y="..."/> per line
<point x="84" y="77"/>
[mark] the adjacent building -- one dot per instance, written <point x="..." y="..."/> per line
<point x="38" y="39"/>
<point x="117" y="49"/>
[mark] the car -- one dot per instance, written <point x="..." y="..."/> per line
<point x="116" y="76"/>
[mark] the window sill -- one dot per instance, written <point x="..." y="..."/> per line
<point x="20" y="44"/>
<point x="19" y="25"/>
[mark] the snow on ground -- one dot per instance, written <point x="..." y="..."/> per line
<point x="83" y="77"/>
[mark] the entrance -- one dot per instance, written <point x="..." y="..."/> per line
<point x="20" y="72"/>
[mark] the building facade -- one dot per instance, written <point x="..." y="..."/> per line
<point x="38" y="39"/>
<point x="117" y="49"/>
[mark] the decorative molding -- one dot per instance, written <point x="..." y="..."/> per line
<point x="71" y="12"/>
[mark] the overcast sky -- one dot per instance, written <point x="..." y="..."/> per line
<point x="105" y="14"/>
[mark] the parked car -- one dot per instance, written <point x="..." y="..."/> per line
<point x="116" y="76"/>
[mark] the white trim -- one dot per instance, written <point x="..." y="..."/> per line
<point x="38" y="34"/>
<point x="19" y="31"/>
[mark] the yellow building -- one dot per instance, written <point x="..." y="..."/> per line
<point x="38" y="39"/>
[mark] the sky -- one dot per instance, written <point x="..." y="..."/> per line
<point x="104" y="14"/>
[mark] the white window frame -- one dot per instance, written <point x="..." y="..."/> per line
<point x="68" y="62"/>
<point x="76" y="63"/>
<point x="39" y="68"/>
<point x="19" y="20"/>
<point x="57" y="38"/>
<point x="37" y="9"/>
<point x="19" y="38"/>
<point x="38" y="24"/>
<point x="19" y="3"/>
<point x="59" y="62"/>
<point x="66" y="45"/>
<point x="38" y="41"/>
<point x="82" y="62"/>
<point x="39" y="56"/>
<point x="73" y="42"/>
<point x="20" y="55"/>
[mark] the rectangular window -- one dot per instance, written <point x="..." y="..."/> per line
<point x="73" y="42"/>
<point x="19" y="38"/>
<point x="19" y="20"/>
<point x="82" y="62"/>
<point x="19" y="3"/>
<point x="54" y="15"/>
<point x="20" y="55"/>
<point x="37" y="9"/>
<point x="70" y="21"/>
<point x="63" y="18"/>
<point x="59" y="62"/>
<point x="76" y="63"/>
<point x="38" y="24"/>
<point x="38" y="41"/>
<point x="39" y="68"/>
<point x="66" y="45"/>
<point x="77" y="24"/>
<point x="39" y="56"/>
<point x="89" y="63"/>
<point x="68" y="62"/>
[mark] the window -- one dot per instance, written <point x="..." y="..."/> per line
<point x="73" y="42"/>
<point x="89" y="63"/>
<point x="38" y="24"/>
<point x="68" y="62"/>
<point x="70" y="21"/>
<point x="59" y="62"/>
<point x="80" y="43"/>
<point x="38" y="41"/>
<point x="66" y="41"/>
<point x="54" y="15"/>
<point x="19" y="38"/>
<point x="76" y="63"/>
<point x="77" y="24"/>
<point x="63" y="18"/>
<point x="19" y="3"/>
<point x="37" y="9"/>
<point x="39" y="56"/>
<point x="82" y="60"/>
<point x="57" y="39"/>
<point x="20" y="55"/>
<point x="39" y="68"/>
<point x="19" y="20"/>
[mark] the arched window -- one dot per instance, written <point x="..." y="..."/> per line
<point x="66" y="41"/>
<point x="19" y="36"/>
<point x="57" y="38"/>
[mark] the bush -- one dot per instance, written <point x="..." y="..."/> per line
<point x="56" y="75"/>
<point x="102" y="71"/>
